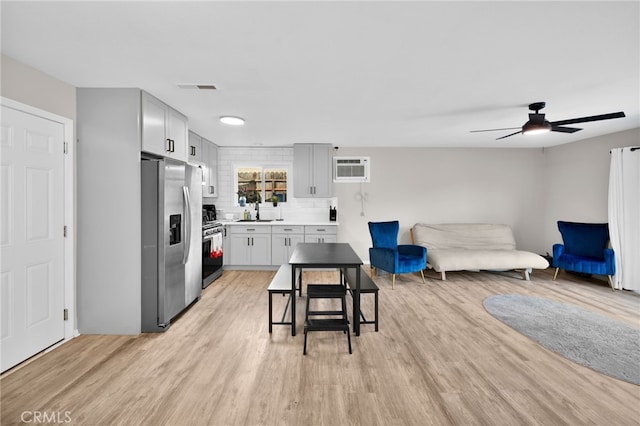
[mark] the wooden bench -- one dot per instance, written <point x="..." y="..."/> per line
<point x="366" y="286"/>
<point x="280" y="284"/>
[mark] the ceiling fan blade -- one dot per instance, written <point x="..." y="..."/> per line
<point x="519" y="131"/>
<point x="591" y="118"/>
<point x="493" y="130"/>
<point x="564" y="129"/>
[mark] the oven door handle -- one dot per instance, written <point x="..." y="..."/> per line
<point x="208" y="238"/>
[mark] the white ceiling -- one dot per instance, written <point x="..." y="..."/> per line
<point x="406" y="74"/>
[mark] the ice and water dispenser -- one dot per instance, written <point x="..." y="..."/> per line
<point x="175" y="227"/>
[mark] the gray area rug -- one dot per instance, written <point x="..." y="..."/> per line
<point x="593" y="340"/>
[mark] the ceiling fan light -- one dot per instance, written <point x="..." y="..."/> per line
<point x="536" y="128"/>
<point x="231" y="120"/>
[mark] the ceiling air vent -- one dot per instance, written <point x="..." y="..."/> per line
<point x="196" y="86"/>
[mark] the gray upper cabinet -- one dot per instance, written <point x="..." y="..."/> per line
<point x="210" y="161"/>
<point x="164" y="130"/>
<point x="312" y="170"/>
<point x="194" y="151"/>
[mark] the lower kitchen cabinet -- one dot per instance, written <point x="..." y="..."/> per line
<point x="320" y="234"/>
<point x="283" y="240"/>
<point x="269" y="245"/>
<point x="249" y="245"/>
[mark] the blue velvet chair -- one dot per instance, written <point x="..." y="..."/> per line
<point x="387" y="255"/>
<point x="584" y="250"/>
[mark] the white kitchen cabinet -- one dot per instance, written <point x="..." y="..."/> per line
<point x="312" y="177"/>
<point x="250" y="245"/>
<point x="164" y="130"/>
<point x="320" y="234"/>
<point x="210" y="160"/>
<point x="194" y="151"/>
<point x="283" y="240"/>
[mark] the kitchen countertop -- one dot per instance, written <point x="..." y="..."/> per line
<point x="280" y="222"/>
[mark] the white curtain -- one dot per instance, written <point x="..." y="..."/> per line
<point x="624" y="216"/>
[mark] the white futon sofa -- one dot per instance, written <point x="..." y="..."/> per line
<point x="473" y="246"/>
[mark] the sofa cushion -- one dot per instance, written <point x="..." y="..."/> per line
<point x="481" y="236"/>
<point x="460" y="259"/>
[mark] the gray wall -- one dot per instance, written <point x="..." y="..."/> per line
<point x="576" y="178"/>
<point x="32" y="87"/>
<point x="444" y="185"/>
<point x="109" y="227"/>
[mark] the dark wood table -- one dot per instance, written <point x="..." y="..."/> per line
<point x="325" y="255"/>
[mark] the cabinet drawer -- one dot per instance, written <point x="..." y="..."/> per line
<point x="287" y="229"/>
<point x="248" y="229"/>
<point x="317" y="229"/>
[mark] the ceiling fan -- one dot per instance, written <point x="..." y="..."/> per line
<point x="537" y="123"/>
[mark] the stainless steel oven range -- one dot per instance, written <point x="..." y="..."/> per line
<point x="211" y="252"/>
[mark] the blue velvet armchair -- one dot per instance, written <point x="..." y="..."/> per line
<point x="387" y="255"/>
<point x="584" y="250"/>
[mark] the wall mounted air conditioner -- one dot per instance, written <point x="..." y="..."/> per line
<point x="351" y="169"/>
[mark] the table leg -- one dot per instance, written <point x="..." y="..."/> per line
<point x="356" y="304"/>
<point x="293" y="300"/>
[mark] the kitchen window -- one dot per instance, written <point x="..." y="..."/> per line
<point x="261" y="184"/>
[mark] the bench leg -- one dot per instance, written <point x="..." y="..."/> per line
<point x="556" y="274"/>
<point x="304" y="350"/>
<point x="422" y="274"/>
<point x="270" y="313"/>
<point x="393" y="281"/>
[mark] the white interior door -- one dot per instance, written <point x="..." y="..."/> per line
<point x="31" y="235"/>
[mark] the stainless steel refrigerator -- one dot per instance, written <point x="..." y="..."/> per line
<point x="171" y="240"/>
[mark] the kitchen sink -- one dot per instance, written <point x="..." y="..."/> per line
<point x="255" y="220"/>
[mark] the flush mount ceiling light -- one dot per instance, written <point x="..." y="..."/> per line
<point x="232" y="121"/>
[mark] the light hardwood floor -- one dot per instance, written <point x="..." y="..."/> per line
<point x="439" y="358"/>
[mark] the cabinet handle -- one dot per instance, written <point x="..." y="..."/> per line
<point x="288" y="229"/>
<point x="321" y="230"/>
<point x="168" y="147"/>
<point x="251" y="240"/>
<point x="211" y="189"/>
<point x="248" y="241"/>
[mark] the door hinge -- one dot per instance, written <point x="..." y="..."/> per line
<point x="66" y="148"/>
<point x="65" y="231"/>
<point x="66" y="314"/>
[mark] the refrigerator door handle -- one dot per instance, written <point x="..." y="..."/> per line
<point x="187" y="214"/>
